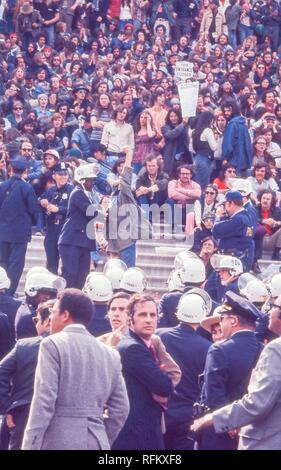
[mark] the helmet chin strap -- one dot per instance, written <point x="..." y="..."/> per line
<point x="88" y="194"/>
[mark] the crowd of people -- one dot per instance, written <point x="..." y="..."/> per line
<point x="94" y="150"/>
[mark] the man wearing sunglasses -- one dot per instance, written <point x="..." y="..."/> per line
<point x="258" y="412"/>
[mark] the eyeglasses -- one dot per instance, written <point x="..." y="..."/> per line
<point x="27" y="149"/>
<point x="209" y="192"/>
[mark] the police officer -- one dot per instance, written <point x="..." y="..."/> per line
<point x="192" y="273"/>
<point x="77" y="238"/>
<point x="245" y="188"/>
<point x="189" y="350"/>
<point x="227" y="272"/>
<point x="55" y="201"/>
<point x="229" y="364"/>
<point x="100" y="291"/>
<point x="18" y="207"/>
<point x="8" y="305"/>
<point x="40" y="286"/>
<point x="235" y="232"/>
<point x="256" y="292"/>
<point x="17" y="372"/>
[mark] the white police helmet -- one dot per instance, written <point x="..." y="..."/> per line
<point x="275" y="285"/>
<point x="255" y="291"/>
<point x="234" y="265"/>
<point x="36" y="270"/>
<point x="133" y="281"/>
<point x="88" y="171"/>
<point x="192" y="271"/>
<point x="114" y="270"/>
<point x="44" y="281"/>
<point x="4" y="280"/>
<point x="183" y="256"/>
<point x="174" y="281"/>
<point x="192" y="308"/>
<point x="98" y="287"/>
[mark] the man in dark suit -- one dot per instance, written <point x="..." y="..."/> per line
<point x="17" y="372"/>
<point x="18" y="206"/>
<point x="229" y="364"/>
<point x="144" y="379"/>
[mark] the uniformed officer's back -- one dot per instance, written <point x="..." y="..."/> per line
<point x="18" y="208"/>
<point x="229" y="364"/>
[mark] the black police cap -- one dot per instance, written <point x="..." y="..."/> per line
<point x="60" y="168"/>
<point x="234" y="304"/>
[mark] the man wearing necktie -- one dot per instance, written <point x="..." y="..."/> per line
<point x="148" y="383"/>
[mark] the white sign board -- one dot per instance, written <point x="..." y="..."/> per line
<point x="188" y="93"/>
<point x="184" y="71"/>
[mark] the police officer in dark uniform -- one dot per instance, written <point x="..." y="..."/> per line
<point x="192" y="274"/>
<point x="55" y="202"/>
<point x="18" y="208"/>
<point x="77" y="238"/>
<point x="8" y="305"/>
<point x="229" y="364"/>
<point x="40" y="286"/>
<point x="189" y="350"/>
<point x="235" y="232"/>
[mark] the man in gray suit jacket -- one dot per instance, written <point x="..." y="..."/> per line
<point x="76" y="380"/>
<point x="259" y="412"/>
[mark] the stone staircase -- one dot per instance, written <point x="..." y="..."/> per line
<point x="155" y="257"/>
<point x="35" y="256"/>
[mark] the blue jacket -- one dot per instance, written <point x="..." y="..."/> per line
<point x="6" y="336"/>
<point x="142" y="430"/>
<point x="234" y="233"/>
<point x="189" y="350"/>
<point x="226" y="376"/>
<point x="75" y="227"/>
<point x="24" y="325"/>
<point x="167" y="308"/>
<point x="9" y="306"/>
<point x="18" y="205"/>
<point x="236" y="144"/>
<point x="99" y="325"/>
<point x="17" y="371"/>
<point x="228" y="368"/>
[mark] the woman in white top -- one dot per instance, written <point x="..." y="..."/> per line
<point x="204" y="145"/>
<point x="261" y="179"/>
<point x="125" y="13"/>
